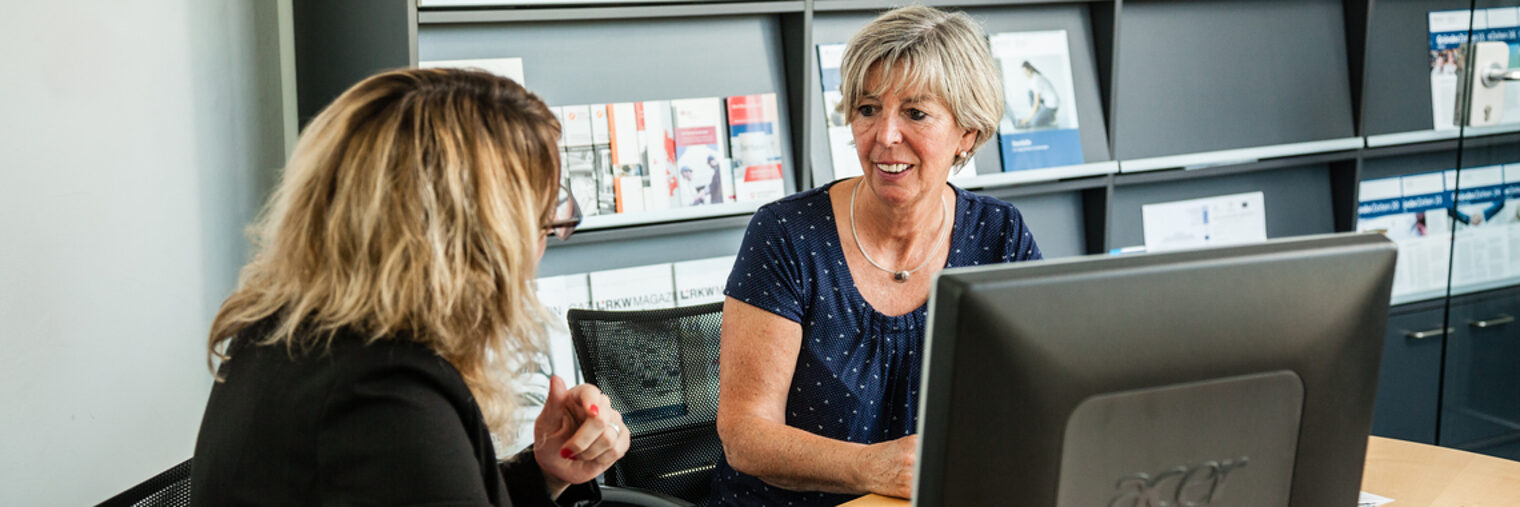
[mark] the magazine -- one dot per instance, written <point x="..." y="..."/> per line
<point x="702" y="281"/>
<point x="606" y="175"/>
<point x="1039" y="126"/>
<point x="755" y="140"/>
<point x="629" y="175"/>
<point x="657" y="143"/>
<point x="704" y="174"/>
<point x="579" y="164"/>
<point x="1484" y="223"/>
<point x="1448" y="39"/>
<point x="1411" y="211"/>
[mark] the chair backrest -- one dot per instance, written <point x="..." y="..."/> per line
<point x="170" y="488"/>
<point x="660" y="368"/>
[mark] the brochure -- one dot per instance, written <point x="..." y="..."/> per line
<point x="657" y="142"/>
<point x="1485" y="225"/>
<point x="1210" y="221"/>
<point x="841" y="140"/>
<point x="704" y="174"/>
<point x="579" y="158"/>
<point x="606" y="175"/>
<point x="1039" y="126"/>
<point x="702" y="281"/>
<point x="755" y="141"/>
<point x="630" y="176"/>
<point x="1411" y="211"/>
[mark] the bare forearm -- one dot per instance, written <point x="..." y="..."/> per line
<point x="791" y="458"/>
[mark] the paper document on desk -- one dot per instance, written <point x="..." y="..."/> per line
<point x="1371" y="500"/>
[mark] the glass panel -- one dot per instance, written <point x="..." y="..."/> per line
<point x="1480" y="408"/>
<point x="1414" y="147"/>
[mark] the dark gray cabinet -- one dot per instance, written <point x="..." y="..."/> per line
<point x="1480" y="407"/>
<point x="1409" y="379"/>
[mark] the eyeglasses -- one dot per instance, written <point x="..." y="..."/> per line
<point x="567" y="215"/>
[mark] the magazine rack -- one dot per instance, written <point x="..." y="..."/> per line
<point x="1175" y="98"/>
<point x="1302" y="100"/>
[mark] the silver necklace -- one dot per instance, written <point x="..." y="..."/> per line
<point x="899" y="276"/>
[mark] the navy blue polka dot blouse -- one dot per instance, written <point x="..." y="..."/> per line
<point x="858" y="370"/>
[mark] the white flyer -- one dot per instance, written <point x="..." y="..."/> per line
<point x="1210" y="221"/>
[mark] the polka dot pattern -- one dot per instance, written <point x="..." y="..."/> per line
<point x="857" y="373"/>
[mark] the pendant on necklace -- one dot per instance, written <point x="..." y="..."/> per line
<point x="900" y="276"/>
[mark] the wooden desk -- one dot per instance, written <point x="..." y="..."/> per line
<point x="1413" y="475"/>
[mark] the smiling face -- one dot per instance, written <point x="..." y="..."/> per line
<point x="906" y="139"/>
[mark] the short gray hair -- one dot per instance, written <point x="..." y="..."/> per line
<point x="945" y="53"/>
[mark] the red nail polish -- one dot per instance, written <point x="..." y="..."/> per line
<point x="593" y="411"/>
<point x="565" y="453"/>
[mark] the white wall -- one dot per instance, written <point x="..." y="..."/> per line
<point x="136" y="141"/>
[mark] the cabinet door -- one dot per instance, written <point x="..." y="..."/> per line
<point x="1481" y="400"/>
<point x="1409" y="377"/>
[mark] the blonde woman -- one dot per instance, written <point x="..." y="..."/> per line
<point x="367" y="353"/>
<point x="824" y="322"/>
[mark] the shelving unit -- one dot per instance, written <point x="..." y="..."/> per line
<point x="1337" y="91"/>
<point x="1299" y="99"/>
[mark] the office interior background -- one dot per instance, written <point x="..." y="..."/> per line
<point x="143" y="138"/>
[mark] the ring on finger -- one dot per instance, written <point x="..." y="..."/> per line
<point x="616" y="430"/>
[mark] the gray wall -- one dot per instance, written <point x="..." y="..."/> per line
<point x="138" y="139"/>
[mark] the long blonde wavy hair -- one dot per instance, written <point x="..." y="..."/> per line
<point x="411" y="209"/>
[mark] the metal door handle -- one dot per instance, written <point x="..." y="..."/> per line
<point x="1430" y="333"/>
<point x="1496" y="321"/>
<point x="1495" y="74"/>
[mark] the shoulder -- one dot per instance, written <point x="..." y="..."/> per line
<point x="792" y="218"/>
<point x="394" y="359"/>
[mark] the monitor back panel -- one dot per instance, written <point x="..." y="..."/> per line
<point x="1218" y="442"/>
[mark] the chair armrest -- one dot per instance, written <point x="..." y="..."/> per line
<point x="614" y="496"/>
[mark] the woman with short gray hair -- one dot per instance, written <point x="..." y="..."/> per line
<point x="824" y="321"/>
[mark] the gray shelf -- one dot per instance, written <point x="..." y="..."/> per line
<point x="1229" y="169"/>
<point x="599" y="12"/>
<point x="1200" y="67"/>
<point x="1155" y="79"/>
<point x="881" y="5"/>
<point x="1298" y="200"/>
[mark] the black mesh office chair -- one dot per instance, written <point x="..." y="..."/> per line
<point x="660" y="368"/>
<point x="170" y="488"/>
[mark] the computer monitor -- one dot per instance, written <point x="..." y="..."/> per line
<point x="1237" y="376"/>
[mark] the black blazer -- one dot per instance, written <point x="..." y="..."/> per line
<point x="389" y="423"/>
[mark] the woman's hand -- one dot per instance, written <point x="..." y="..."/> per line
<point x="577" y="436"/>
<point x="887" y="467"/>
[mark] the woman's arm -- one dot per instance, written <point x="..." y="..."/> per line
<point x="758" y="358"/>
